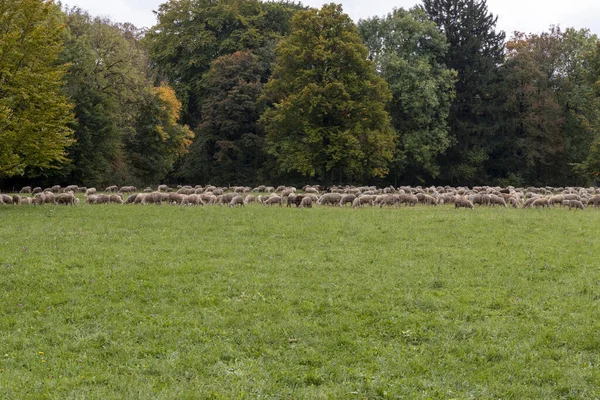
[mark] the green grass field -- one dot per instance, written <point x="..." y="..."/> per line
<point x="168" y="302"/>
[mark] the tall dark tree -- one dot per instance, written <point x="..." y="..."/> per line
<point x="229" y="147"/>
<point x="191" y="34"/>
<point x="476" y="52"/>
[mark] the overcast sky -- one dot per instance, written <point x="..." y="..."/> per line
<point x="521" y="15"/>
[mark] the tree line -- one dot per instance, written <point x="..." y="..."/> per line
<point x="247" y="92"/>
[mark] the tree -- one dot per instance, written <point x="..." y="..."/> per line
<point x="551" y="114"/>
<point x="409" y="52"/>
<point x="476" y="52"/>
<point x="190" y="34"/>
<point x="230" y="144"/>
<point x="105" y="81"/>
<point x="158" y="139"/>
<point x="328" y="105"/>
<point x="34" y="114"/>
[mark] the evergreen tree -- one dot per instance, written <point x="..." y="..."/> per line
<point x="476" y="52"/>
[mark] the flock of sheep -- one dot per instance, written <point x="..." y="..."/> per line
<point x="309" y="196"/>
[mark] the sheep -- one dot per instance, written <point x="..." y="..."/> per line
<point x="497" y="200"/>
<point x="387" y="200"/>
<point x="36" y="190"/>
<point x="26" y="189"/>
<point x="306" y="202"/>
<point x="26" y="200"/>
<point x="461" y="202"/>
<point x="364" y="199"/>
<point x="90" y="191"/>
<point x="128" y="189"/>
<point x="273" y="200"/>
<point x="330" y="198"/>
<point x="556" y="199"/>
<point x="347" y="198"/>
<point x="92" y="199"/>
<point x="513" y="201"/>
<point x="426" y="199"/>
<point x="237" y="201"/>
<point x="71" y="188"/>
<point x="131" y="198"/>
<point x="409" y="199"/>
<point x="594" y="200"/>
<point x="6" y="199"/>
<point x="163" y="188"/>
<point x="249" y="199"/>
<point x="65" y="198"/>
<point x="225" y="198"/>
<point x="176" y="198"/>
<point x="575" y="204"/>
<point x="16" y="199"/>
<point x="55" y="189"/>
<point x="193" y="200"/>
<point x="540" y="202"/>
<point x="115" y="198"/>
<point x="291" y="199"/>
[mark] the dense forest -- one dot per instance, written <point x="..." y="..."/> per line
<point x="231" y="92"/>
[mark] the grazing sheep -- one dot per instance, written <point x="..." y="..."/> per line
<point x="16" y="199"/>
<point x="461" y="202"/>
<point x="387" y="200"/>
<point x="66" y="199"/>
<point x="594" y="200"/>
<point x="6" y="199"/>
<point x="273" y="200"/>
<point x="176" y="198"/>
<point x="330" y="198"/>
<point x="55" y="189"/>
<point x="575" y="204"/>
<point x="237" y="201"/>
<point x="36" y="189"/>
<point x="71" y="188"/>
<point x="26" y="189"/>
<point x="226" y="198"/>
<point x="90" y="191"/>
<point x="192" y="200"/>
<point x="115" y="198"/>
<point x="540" y="202"/>
<point x="409" y="199"/>
<point x="291" y="199"/>
<point x="347" y="198"/>
<point x="249" y="199"/>
<point x="306" y="202"/>
<point x="217" y="192"/>
<point x="556" y="199"/>
<point x="128" y="189"/>
<point x="497" y="200"/>
<point x="163" y="188"/>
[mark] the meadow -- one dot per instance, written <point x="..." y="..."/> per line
<point x="170" y="302"/>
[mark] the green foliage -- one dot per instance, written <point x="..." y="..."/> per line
<point x="409" y="52"/>
<point x="158" y="140"/>
<point x="328" y="111"/>
<point x="105" y="81"/>
<point x="475" y="52"/>
<point x="191" y="34"/>
<point x="33" y="112"/>
<point x="229" y="148"/>
<point x="552" y="115"/>
<point x="183" y="302"/>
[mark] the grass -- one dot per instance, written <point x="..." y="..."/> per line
<point x="160" y="302"/>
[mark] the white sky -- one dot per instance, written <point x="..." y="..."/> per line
<point x="522" y="15"/>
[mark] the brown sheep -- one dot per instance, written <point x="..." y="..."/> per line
<point x="575" y="204"/>
<point x="66" y="198"/>
<point x="273" y="200"/>
<point x="540" y="202"/>
<point x="330" y="198"/>
<point x="461" y="202"/>
<point x="237" y="201"/>
<point x="6" y="199"/>
<point x="347" y="198"/>
<point x="306" y="202"/>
